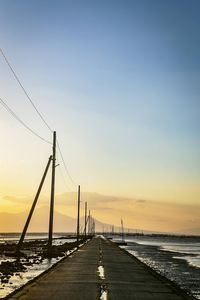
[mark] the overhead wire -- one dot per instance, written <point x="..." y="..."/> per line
<point x="38" y="112"/>
<point x="24" y="90"/>
<point x="65" y="166"/>
<point x="64" y="178"/>
<point x="3" y="103"/>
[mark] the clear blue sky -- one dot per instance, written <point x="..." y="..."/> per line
<point x="119" y="81"/>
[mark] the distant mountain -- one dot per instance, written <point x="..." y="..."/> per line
<point x="151" y="216"/>
<point x="10" y="222"/>
<point x="14" y="222"/>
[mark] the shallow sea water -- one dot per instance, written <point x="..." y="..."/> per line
<point x="177" y="258"/>
<point x="21" y="278"/>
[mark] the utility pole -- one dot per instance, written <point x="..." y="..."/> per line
<point x="91" y="220"/>
<point x="52" y="192"/>
<point x="122" y="224"/>
<point x="85" y="231"/>
<point x="94" y="227"/>
<point x="78" y="216"/>
<point x="33" y="207"/>
<point x="89" y="223"/>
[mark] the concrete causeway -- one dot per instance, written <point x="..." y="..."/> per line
<point x="100" y="270"/>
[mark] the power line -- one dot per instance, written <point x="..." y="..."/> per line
<point x="65" y="166"/>
<point x="38" y="112"/>
<point x="63" y="177"/>
<point x="21" y="122"/>
<point x="24" y="90"/>
<point x="14" y="115"/>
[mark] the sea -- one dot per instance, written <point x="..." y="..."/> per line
<point x="33" y="270"/>
<point x="175" y="257"/>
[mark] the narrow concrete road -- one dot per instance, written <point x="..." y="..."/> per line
<point x="74" y="278"/>
<point x="99" y="270"/>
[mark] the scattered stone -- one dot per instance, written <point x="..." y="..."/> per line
<point x="4" y="280"/>
<point x="9" y="267"/>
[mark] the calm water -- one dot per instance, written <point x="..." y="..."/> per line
<point x="14" y="237"/>
<point x="20" y="278"/>
<point x="177" y="258"/>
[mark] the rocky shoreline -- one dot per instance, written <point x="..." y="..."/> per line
<point x="32" y="254"/>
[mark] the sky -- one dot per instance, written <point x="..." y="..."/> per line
<point x="119" y="82"/>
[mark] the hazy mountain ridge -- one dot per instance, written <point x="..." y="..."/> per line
<point x="11" y="222"/>
<point x="14" y="222"/>
<point x="149" y="215"/>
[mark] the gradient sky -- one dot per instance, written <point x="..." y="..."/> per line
<point x="119" y="81"/>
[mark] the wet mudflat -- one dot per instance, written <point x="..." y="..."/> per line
<point x="100" y="270"/>
<point x="175" y="257"/>
<point x="16" y="270"/>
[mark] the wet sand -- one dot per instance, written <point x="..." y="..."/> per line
<point x="34" y="259"/>
<point x="169" y="264"/>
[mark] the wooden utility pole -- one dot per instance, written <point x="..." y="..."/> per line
<point x="122" y="224"/>
<point x="78" y="215"/>
<point x="52" y="192"/>
<point x="93" y="226"/>
<point x="89" y="224"/>
<point x="85" y="231"/>
<point x="33" y="207"/>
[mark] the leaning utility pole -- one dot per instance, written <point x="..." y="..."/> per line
<point x="52" y="192"/>
<point x="85" y="231"/>
<point x="33" y="207"/>
<point x="78" y="216"/>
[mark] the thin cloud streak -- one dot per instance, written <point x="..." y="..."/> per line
<point x="137" y="213"/>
